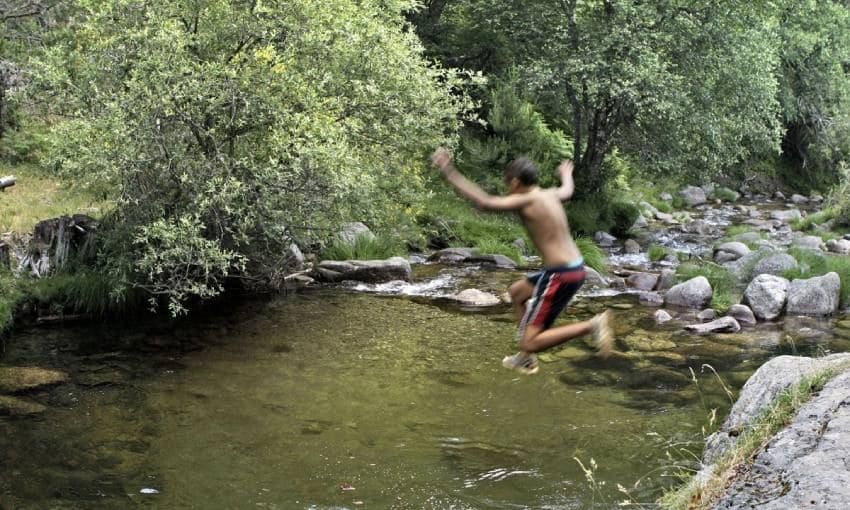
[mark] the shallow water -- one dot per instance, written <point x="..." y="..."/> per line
<point x="343" y="399"/>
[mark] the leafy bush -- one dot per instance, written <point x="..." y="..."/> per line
<point x="364" y="247"/>
<point x="623" y="216"/>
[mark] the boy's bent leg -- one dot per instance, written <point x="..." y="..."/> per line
<point x="535" y="339"/>
<point x="520" y="292"/>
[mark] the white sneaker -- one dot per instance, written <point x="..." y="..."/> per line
<point x="525" y="363"/>
<point x="603" y="337"/>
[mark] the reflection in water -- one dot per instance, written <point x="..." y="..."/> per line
<point x="333" y="399"/>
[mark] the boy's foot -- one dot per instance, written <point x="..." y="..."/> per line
<point x="603" y="337"/>
<point x="525" y="363"/>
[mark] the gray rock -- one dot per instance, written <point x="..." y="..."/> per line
<point x="666" y="197"/>
<point x="666" y="279"/>
<point x="786" y="216"/>
<point x="693" y="196"/>
<point x="647" y="208"/>
<point x="723" y="257"/>
<point x="294" y="257"/>
<point x="841" y="246"/>
<point x="760" y="390"/>
<point x="737" y="249"/>
<point x="370" y="271"/>
<point x="766" y="296"/>
<point x="775" y="265"/>
<point x="743" y="314"/>
<point x="651" y="299"/>
<point x="817" y="198"/>
<point x="707" y="315"/>
<point x="799" y="199"/>
<point x="809" y="242"/>
<point x="604" y="239"/>
<point x="475" y="297"/>
<point x="351" y="231"/>
<point x="779" y="195"/>
<point x="708" y="189"/>
<point x="593" y="278"/>
<point x="700" y="227"/>
<point x="815" y="296"/>
<point x="694" y="293"/>
<point x="642" y="281"/>
<point x="631" y="247"/>
<point x="640" y="222"/>
<point x="520" y="245"/>
<point x="661" y="316"/>
<point x="721" y="325"/>
<point x="847" y="237"/>
<point x="451" y="255"/>
<point x="616" y="282"/>
<point x="500" y="261"/>
<point x="19" y="379"/>
<point x="665" y="218"/>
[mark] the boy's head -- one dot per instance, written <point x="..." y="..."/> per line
<point x="523" y="170"/>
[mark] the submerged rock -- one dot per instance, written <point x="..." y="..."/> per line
<point x="11" y="406"/>
<point x="475" y="297"/>
<point x="721" y="325"/>
<point x="662" y="316"/>
<point x="18" y="379"/>
<point x="694" y="293"/>
<point x="766" y="296"/>
<point x="815" y="296"/>
<point x="707" y="315"/>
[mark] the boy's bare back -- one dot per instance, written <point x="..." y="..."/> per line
<point x="547" y="226"/>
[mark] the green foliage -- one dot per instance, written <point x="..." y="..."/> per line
<point x="593" y="255"/>
<point x="721" y="279"/>
<point x="815" y="263"/>
<point x="226" y="130"/>
<point x="450" y="218"/>
<point x="11" y="295"/>
<point x="24" y="144"/>
<point x="623" y="216"/>
<point x="590" y="216"/>
<point x="656" y="252"/>
<point x="516" y="129"/>
<point x="838" y="201"/>
<point x="364" y="247"/>
<point x="661" y="205"/>
<point x="725" y="194"/>
<point x="493" y="247"/>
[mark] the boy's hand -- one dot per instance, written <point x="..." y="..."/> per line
<point x="566" y="168"/>
<point x="442" y="159"/>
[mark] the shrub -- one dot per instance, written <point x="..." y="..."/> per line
<point x="725" y="194"/>
<point x="623" y="216"/>
<point x="364" y="247"/>
<point x="593" y="255"/>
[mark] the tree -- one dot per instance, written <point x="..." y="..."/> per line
<point x="226" y="130"/>
<point x="815" y="90"/>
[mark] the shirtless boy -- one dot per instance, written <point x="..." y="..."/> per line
<point x="539" y="298"/>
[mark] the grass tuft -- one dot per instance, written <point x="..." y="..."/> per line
<point x="365" y="247"/>
<point x="723" y="284"/>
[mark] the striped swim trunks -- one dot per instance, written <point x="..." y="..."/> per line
<point x="553" y="290"/>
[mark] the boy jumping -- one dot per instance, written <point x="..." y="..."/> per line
<point x="539" y="298"/>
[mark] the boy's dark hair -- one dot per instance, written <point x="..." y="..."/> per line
<point x="523" y="169"/>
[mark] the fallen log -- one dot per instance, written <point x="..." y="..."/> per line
<point x="6" y="182"/>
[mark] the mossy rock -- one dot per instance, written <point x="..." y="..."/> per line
<point x="644" y="341"/>
<point x="843" y="324"/>
<point x="18" y="379"/>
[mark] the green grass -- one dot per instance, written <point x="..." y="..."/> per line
<point x="493" y="247"/>
<point x="37" y="197"/>
<point x="661" y="205"/>
<point x="656" y="252"/>
<point x="458" y="222"/>
<point x="365" y="247"/>
<point x="726" y="292"/>
<point x="593" y="255"/>
<point x="816" y="263"/>
<point x="696" y="496"/>
<point x="818" y="218"/>
<point x="725" y="194"/>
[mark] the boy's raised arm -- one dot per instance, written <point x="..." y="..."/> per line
<point x="567" y="187"/>
<point x="442" y="159"/>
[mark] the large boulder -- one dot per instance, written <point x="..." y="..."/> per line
<point x="766" y="296"/>
<point x="370" y="271"/>
<point x="815" y="296"/>
<point x="786" y="216"/>
<point x="805" y="465"/>
<point x="841" y="246"/>
<point x="809" y="242"/>
<point x="798" y="199"/>
<point x="604" y="239"/>
<point x="759" y="391"/>
<point x="733" y="250"/>
<point x="351" y="231"/>
<point x="451" y="255"/>
<point x="496" y="260"/>
<point x="694" y="293"/>
<point x="775" y="265"/>
<point x="693" y="196"/>
<point x="642" y="281"/>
